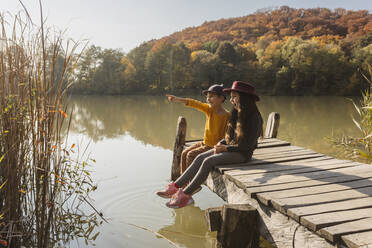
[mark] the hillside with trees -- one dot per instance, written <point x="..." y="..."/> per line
<point x="283" y="51"/>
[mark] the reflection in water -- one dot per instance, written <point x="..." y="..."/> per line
<point x="305" y="121"/>
<point x="151" y="120"/>
<point x="308" y="121"/>
<point x="189" y="228"/>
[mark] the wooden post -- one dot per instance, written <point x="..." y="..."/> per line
<point x="178" y="147"/>
<point x="272" y="125"/>
<point x="214" y="218"/>
<point x="237" y="223"/>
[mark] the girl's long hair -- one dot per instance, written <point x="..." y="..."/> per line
<point x="238" y="122"/>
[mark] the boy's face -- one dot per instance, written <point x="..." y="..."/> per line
<point x="214" y="100"/>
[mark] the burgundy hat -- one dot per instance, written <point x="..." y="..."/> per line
<point x="243" y="87"/>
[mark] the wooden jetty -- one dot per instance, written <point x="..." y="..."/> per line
<point x="303" y="198"/>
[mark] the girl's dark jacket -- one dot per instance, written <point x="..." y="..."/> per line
<point x="248" y="143"/>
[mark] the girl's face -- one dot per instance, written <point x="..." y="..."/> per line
<point x="235" y="99"/>
<point x="214" y="100"/>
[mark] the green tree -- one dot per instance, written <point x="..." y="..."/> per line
<point x="130" y="84"/>
<point x="137" y="57"/>
<point x="227" y="53"/>
<point x="158" y="69"/>
<point x="179" y="65"/>
<point x="205" y="68"/>
<point x="86" y="70"/>
<point x="211" y="46"/>
<point x="108" y="75"/>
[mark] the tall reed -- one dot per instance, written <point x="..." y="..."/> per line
<point x="360" y="148"/>
<point x="44" y="189"/>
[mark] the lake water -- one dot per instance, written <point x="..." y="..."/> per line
<point x="131" y="138"/>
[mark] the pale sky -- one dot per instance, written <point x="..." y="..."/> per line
<point x="127" y="23"/>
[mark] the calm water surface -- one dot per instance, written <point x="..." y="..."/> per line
<point x="131" y="139"/>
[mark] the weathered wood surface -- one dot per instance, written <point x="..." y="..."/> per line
<point x="329" y="201"/>
<point x="272" y="125"/>
<point x="238" y="227"/>
<point x="363" y="239"/>
<point x="273" y="144"/>
<point x="255" y="161"/>
<point x="275" y="227"/>
<point x="284" y="166"/>
<point x="271" y="179"/>
<point x="305" y="184"/>
<point x="214" y="218"/>
<point x="266" y="197"/>
<point x="300" y="171"/>
<point x="318" y="221"/>
<point x="178" y="147"/>
<point x="283" y="204"/>
<point x="333" y="233"/>
<point x="301" y="212"/>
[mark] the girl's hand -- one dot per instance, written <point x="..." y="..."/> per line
<point x="171" y="98"/>
<point x="220" y="148"/>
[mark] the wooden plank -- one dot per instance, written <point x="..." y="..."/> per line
<point x="299" y="212"/>
<point x="356" y="240"/>
<point x="268" y="140"/>
<point x="284" y="154"/>
<point x="318" y="221"/>
<point x="308" y="183"/>
<point x="283" y="204"/>
<point x="284" y="166"/>
<point x="333" y="233"/>
<point x="248" y="165"/>
<point x="277" y="149"/>
<point x="274" y="160"/>
<point x="286" y="170"/>
<point x="261" y="180"/>
<point x="270" y="177"/>
<point x="273" y="144"/>
<point x="273" y="226"/>
<point x="265" y="198"/>
<point x="297" y="175"/>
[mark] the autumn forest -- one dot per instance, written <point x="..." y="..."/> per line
<point x="283" y="51"/>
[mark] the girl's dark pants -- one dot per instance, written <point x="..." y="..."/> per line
<point x="203" y="164"/>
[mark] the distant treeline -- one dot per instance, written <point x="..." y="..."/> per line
<point x="283" y="51"/>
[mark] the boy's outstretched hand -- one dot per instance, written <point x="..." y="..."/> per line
<point x="171" y="98"/>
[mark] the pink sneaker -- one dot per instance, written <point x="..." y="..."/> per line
<point x="170" y="190"/>
<point x="180" y="200"/>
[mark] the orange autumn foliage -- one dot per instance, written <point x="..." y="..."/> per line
<point x="275" y="24"/>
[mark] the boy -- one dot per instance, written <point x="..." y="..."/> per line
<point x="215" y="126"/>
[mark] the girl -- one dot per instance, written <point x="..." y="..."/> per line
<point x="215" y="125"/>
<point x="243" y="130"/>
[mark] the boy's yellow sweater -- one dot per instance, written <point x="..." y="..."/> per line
<point x="215" y="126"/>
